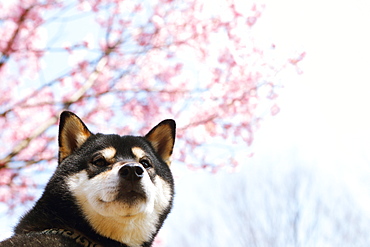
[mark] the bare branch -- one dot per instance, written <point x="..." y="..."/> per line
<point x="24" y="143"/>
<point x="54" y="119"/>
<point x="8" y="49"/>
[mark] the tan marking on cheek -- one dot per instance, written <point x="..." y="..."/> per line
<point x="138" y="152"/>
<point x="103" y="175"/>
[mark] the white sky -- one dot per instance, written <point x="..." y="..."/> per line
<point x="336" y="69"/>
<point x="325" y="113"/>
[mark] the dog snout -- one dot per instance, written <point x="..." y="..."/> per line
<point x="131" y="172"/>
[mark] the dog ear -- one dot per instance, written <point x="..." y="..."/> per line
<point x="72" y="134"/>
<point x="162" y="138"/>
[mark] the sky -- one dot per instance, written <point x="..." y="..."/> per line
<point x="325" y="111"/>
<point x="324" y="117"/>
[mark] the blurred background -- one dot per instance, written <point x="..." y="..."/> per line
<point x="270" y="97"/>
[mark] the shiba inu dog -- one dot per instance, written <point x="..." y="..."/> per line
<point x="108" y="190"/>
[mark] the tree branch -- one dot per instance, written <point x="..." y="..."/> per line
<point x="54" y="119"/>
<point x="24" y="143"/>
<point x="9" y="48"/>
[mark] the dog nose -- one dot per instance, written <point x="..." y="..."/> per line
<point x="131" y="172"/>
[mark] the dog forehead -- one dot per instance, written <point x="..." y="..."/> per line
<point x="110" y="152"/>
<point x="115" y="145"/>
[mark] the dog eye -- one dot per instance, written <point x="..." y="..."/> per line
<point x="145" y="163"/>
<point x="99" y="161"/>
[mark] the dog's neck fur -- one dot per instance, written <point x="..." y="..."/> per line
<point x="133" y="231"/>
<point x="78" y="237"/>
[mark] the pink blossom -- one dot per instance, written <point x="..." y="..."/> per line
<point x="132" y="66"/>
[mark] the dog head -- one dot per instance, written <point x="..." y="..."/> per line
<point x="122" y="184"/>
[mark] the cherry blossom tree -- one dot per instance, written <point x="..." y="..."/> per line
<point x="123" y="66"/>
